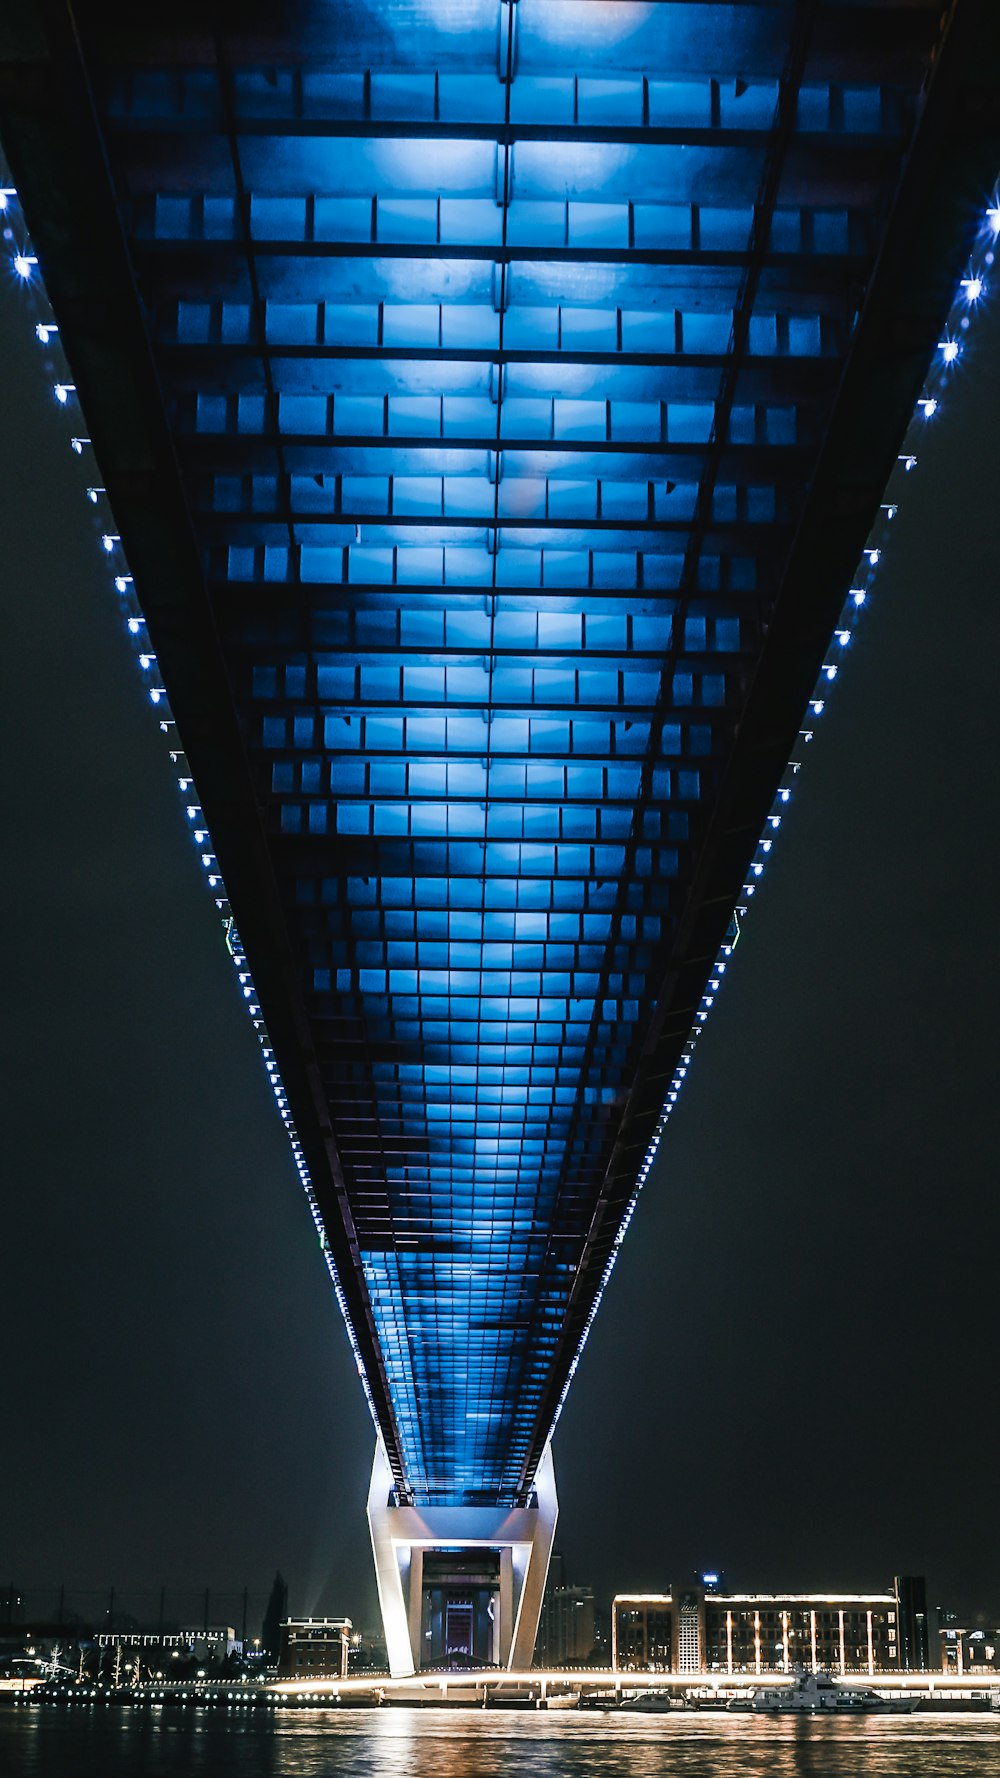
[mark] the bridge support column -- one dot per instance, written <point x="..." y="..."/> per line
<point x="505" y="1552"/>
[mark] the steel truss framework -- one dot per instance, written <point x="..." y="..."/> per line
<point x="494" y="400"/>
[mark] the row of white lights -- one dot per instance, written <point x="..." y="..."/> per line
<point x="24" y="265"/>
<point x="971" y="288"/>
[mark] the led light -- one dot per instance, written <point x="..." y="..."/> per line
<point x="146" y="660"/>
<point x="77" y="444"/>
<point x="123" y="582"/>
<point x="973" y="288"/>
<point x="890" y="510"/>
<point x="929" y="406"/>
<point x="874" y="556"/>
<point x="816" y="705"/>
<point x="993" y="218"/>
<point x="92" y="494"/>
<point x="843" y="637"/>
<point x="858" y="594"/>
<point x="134" y="625"/>
<point x="758" y="869"/>
<point x="155" y="695"/>
<point x="23" y="263"/>
<point x="10" y="191"/>
<point x="63" y="391"/>
<point x="784" y="794"/>
<point x="109" y="540"/>
<point x="45" y="330"/>
<point x="908" y="461"/>
<point x="830" y="671"/>
<point x="949" y="350"/>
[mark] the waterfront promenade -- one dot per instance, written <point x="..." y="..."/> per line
<point x="586" y="1688"/>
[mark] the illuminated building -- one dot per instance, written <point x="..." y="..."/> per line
<point x="208" y="1644"/>
<point x="693" y="1629"/>
<point x="972" y="1652"/>
<point x="485" y="410"/>
<point x="314" y="1647"/>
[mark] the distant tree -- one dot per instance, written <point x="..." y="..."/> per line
<point x="277" y="1608"/>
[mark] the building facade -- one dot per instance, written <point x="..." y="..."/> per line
<point x="213" y="1643"/>
<point x="972" y="1652"/>
<point x="695" y="1630"/>
<point x="914" y="1623"/>
<point x="566" y="1633"/>
<point x="314" y="1647"/>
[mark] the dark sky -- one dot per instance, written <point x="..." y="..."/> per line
<point x="793" y="1375"/>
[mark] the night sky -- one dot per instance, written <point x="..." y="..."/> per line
<point x="793" y="1374"/>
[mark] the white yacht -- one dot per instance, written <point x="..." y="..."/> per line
<point x="817" y="1694"/>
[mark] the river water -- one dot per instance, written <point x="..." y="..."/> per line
<point x="402" y="1743"/>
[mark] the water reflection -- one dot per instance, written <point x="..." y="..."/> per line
<point x="92" y="1743"/>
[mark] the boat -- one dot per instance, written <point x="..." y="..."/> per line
<point x="709" y="1697"/>
<point x="818" y="1694"/>
<point x="654" y="1702"/>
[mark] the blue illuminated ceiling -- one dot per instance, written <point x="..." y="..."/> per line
<point x="500" y="347"/>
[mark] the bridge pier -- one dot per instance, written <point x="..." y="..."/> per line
<point x="460" y="1582"/>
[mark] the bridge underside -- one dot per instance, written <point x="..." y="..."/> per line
<point x="493" y="401"/>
